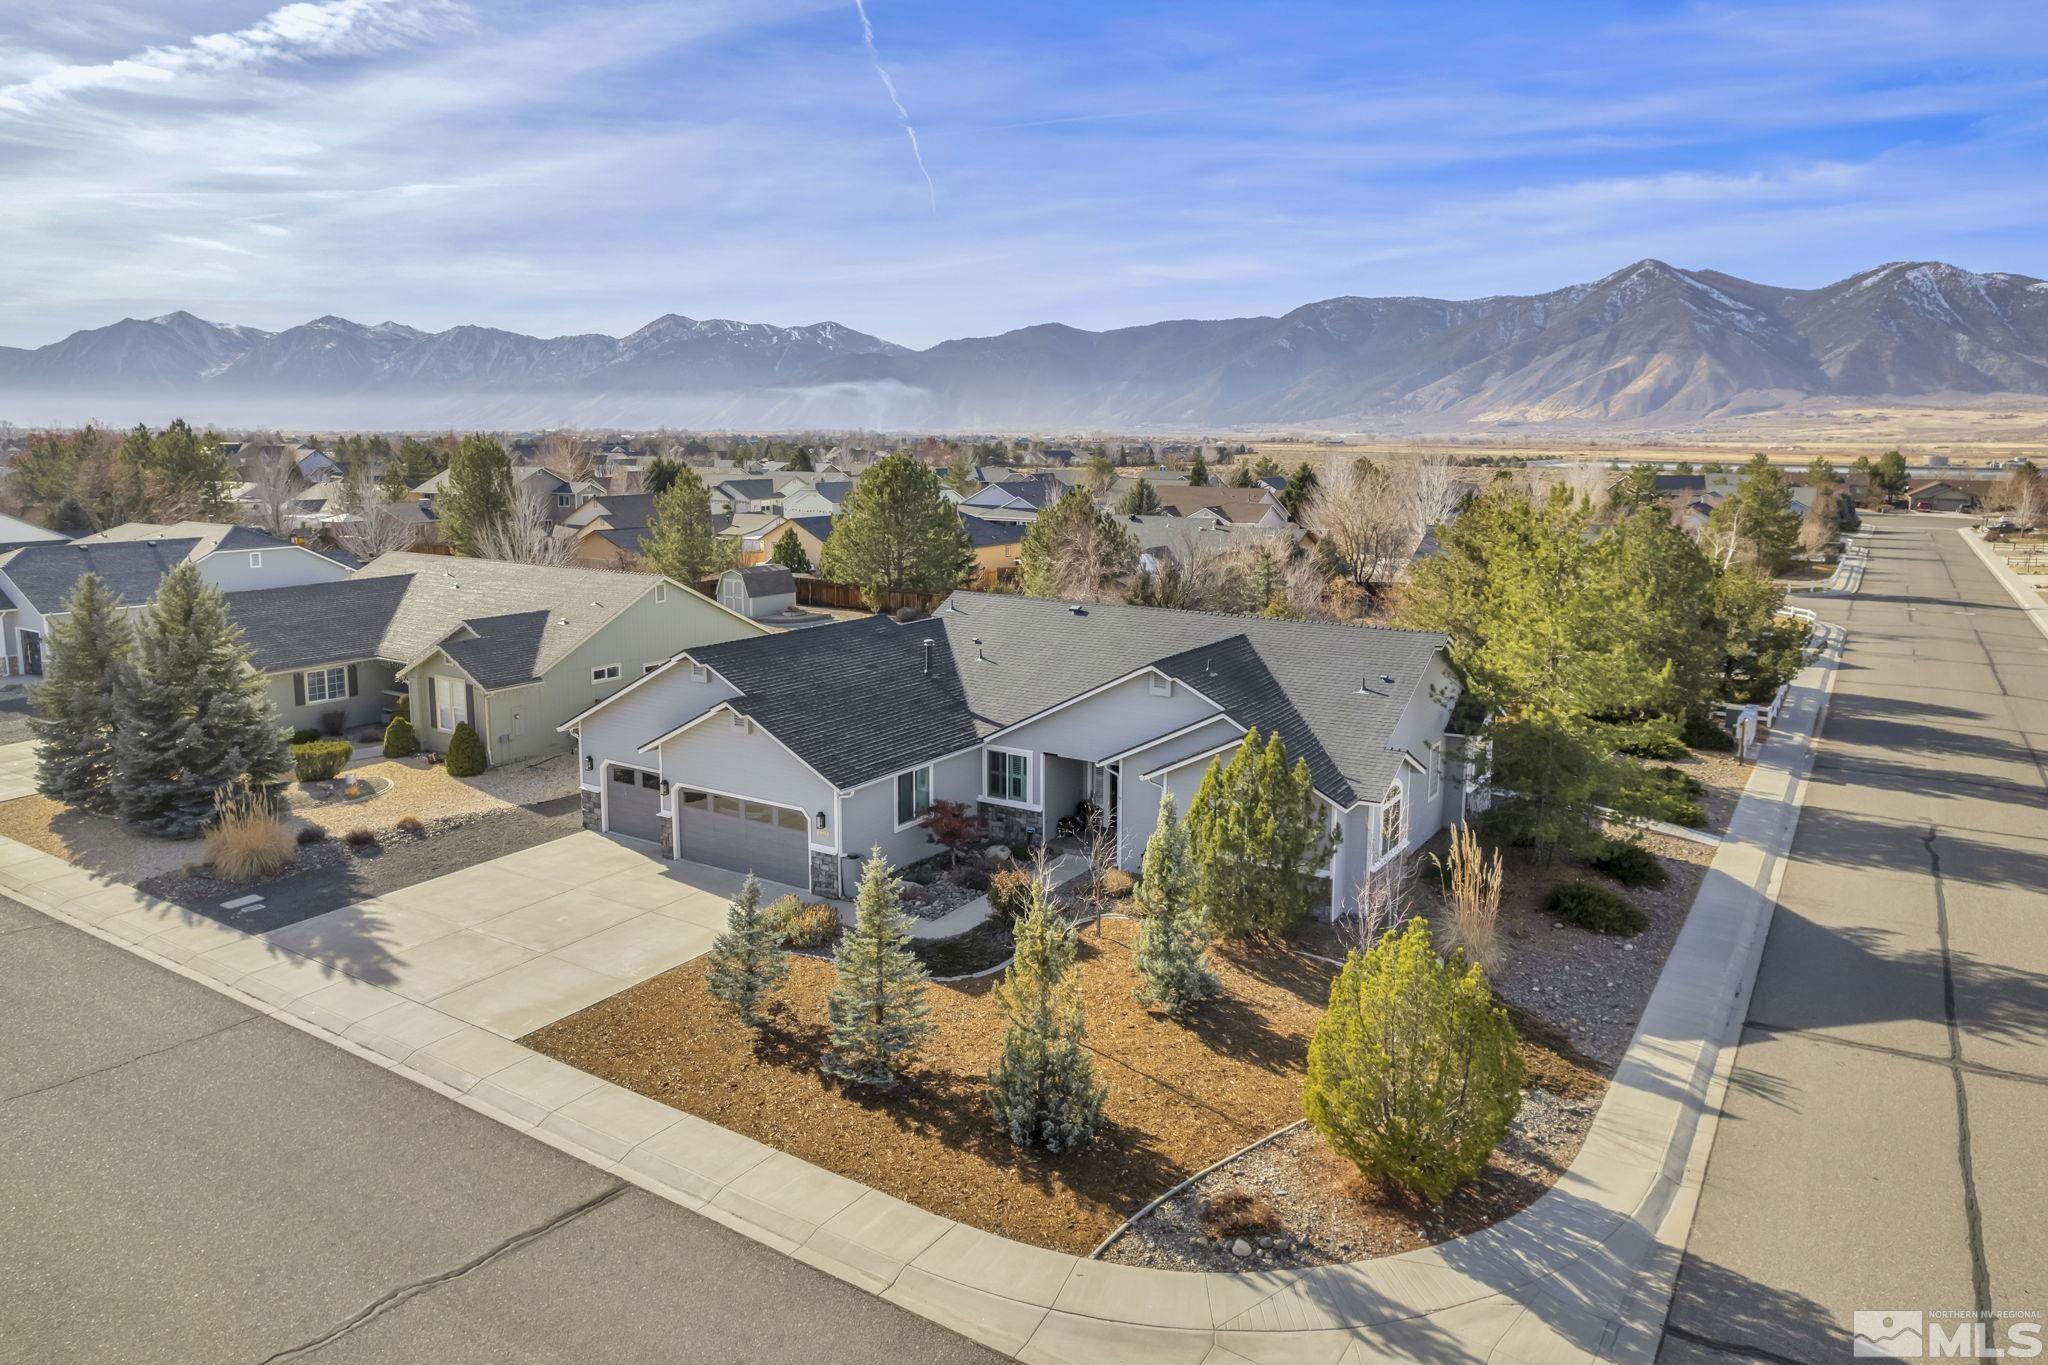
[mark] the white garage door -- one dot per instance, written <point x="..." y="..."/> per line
<point x="772" y="842"/>
<point x="633" y="804"/>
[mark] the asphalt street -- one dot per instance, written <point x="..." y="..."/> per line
<point x="184" y="1180"/>
<point x="1883" y="1141"/>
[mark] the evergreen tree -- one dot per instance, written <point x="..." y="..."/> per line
<point x="896" y="530"/>
<point x="1198" y="472"/>
<point x="400" y="739"/>
<point x="1757" y="520"/>
<point x="1257" y="834"/>
<point x="801" y="462"/>
<point x="747" y="961"/>
<point x="1301" y="486"/>
<point x="479" y="493"/>
<point x="1242" y="477"/>
<point x="1637" y="488"/>
<point x="661" y="475"/>
<point x="1141" y="499"/>
<point x="1172" y="953"/>
<point x="680" y="540"/>
<point x="789" y="553"/>
<point x="1043" y="1089"/>
<point x="878" y="1010"/>
<point x="1891" y="473"/>
<point x="75" y="717"/>
<point x="1414" y="1072"/>
<point x="466" y="756"/>
<point x="193" y="716"/>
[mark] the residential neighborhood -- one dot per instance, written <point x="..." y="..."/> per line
<point x="1101" y="684"/>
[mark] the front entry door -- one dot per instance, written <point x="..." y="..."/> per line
<point x="31" y="652"/>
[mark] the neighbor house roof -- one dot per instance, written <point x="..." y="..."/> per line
<point x="1182" y="536"/>
<point x="503" y="624"/>
<point x="131" y="569"/>
<point x="866" y="707"/>
<point x="207" y="536"/>
<point x="818" y="528"/>
<point x="1237" y="504"/>
<point x="750" y="490"/>
<point x="983" y="534"/>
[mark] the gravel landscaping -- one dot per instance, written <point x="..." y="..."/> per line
<point x="14" y="714"/>
<point x="1292" y="1202"/>
<point x="1181" y="1096"/>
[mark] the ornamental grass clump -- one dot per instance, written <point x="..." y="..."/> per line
<point x="1413" y="1073"/>
<point x="248" y="841"/>
<point x="1472" y="885"/>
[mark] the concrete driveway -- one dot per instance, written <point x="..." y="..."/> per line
<point x="521" y="941"/>
<point x="17" y="770"/>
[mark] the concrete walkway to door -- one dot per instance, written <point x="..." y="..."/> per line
<point x="508" y="945"/>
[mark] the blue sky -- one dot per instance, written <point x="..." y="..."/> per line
<point x="557" y="168"/>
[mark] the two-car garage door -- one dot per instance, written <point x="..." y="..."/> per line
<point x="772" y="842"/>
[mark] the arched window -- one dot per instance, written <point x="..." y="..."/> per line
<point x="1393" y="822"/>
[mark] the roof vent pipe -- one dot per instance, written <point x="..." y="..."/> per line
<point x="928" y="642"/>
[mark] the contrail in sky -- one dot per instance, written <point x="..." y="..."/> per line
<point x="867" y="33"/>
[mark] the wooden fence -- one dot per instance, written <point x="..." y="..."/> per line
<point x="812" y="591"/>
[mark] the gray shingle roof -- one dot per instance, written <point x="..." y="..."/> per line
<point x="982" y="533"/>
<point x="855" y="702"/>
<point x="765" y="580"/>
<point x="520" y="619"/>
<point x="46" y="574"/>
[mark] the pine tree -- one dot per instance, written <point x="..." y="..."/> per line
<point x="1301" y="486"/>
<point x="1198" y="472"/>
<point x="1257" y="834"/>
<point x="1043" y="1089"/>
<point x="1172" y="953"/>
<point x="1141" y="499"/>
<point x="479" y="493"/>
<point x="1757" y="520"/>
<point x="879" y="1015"/>
<point x="193" y="715"/>
<point x="1075" y="551"/>
<point x="75" y="717"/>
<point x="896" y="530"/>
<point x="680" y="540"/>
<point x="1414" y="1072"/>
<point x="789" y="553"/>
<point x="747" y="961"/>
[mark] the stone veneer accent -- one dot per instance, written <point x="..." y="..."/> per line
<point x="1008" y="824"/>
<point x="593" y="809"/>
<point x="825" y="874"/>
<point x="667" y="825"/>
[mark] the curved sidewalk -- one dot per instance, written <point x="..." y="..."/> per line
<point x="1583" y="1273"/>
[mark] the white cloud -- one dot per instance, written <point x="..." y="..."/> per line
<point x="328" y="28"/>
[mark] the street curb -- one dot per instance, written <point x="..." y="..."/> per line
<point x="2024" y="595"/>
<point x="1583" y="1273"/>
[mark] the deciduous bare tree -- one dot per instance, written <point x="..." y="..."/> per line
<point x="565" y="454"/>
<point x="1433" y="489"/>
<point x="275" y="487"/>
<point x="373" y="528"/>
<point x="1365" y="519"/>
<point x="524" y="535"/>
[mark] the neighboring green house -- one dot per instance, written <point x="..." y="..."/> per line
<point x="514" y="649"/>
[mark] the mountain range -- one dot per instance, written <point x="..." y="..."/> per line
<point x="1648" y="346"/>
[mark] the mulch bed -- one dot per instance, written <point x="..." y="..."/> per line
<point x="1181" y="1096"/>
<point x="1295" y="1202"/>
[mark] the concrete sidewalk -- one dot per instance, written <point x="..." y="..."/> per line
<point x="1583" y="1273"/>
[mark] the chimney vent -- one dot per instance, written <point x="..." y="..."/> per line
<point x="928" y="643"/>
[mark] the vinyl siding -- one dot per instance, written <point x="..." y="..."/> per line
<point x="289" y="567"/>
<point x="1109" y="722"/>
<point x="364" y="708"/>
<point x="869" y="815"/>
<point x="720" y="756"/>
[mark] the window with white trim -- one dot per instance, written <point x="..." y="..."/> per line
<point x="1436" y="771"/>
<point x="1393" y="822"/>
<point x="913" y="796"/>
<point x="255" y="559"/>
<point x="326" y="684"/>
<point x="606" y="673"/>
<point x="1009" y="775"/>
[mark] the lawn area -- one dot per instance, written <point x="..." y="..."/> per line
<point x="1181" y="1096"/>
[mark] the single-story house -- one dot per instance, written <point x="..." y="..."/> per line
<point x="1164" y="539"/>
<point x="757" y="591"/>
<point x="1238" y="506"/>
<point x="1940" y="496"/>
<point x="36" y="581"/>
<point x="793" y="755"/>
<point x="514" y="649"/>
<point x="997" y="545"/>
<point x="821" y="499"/>
<point x="1017" y="499"/>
